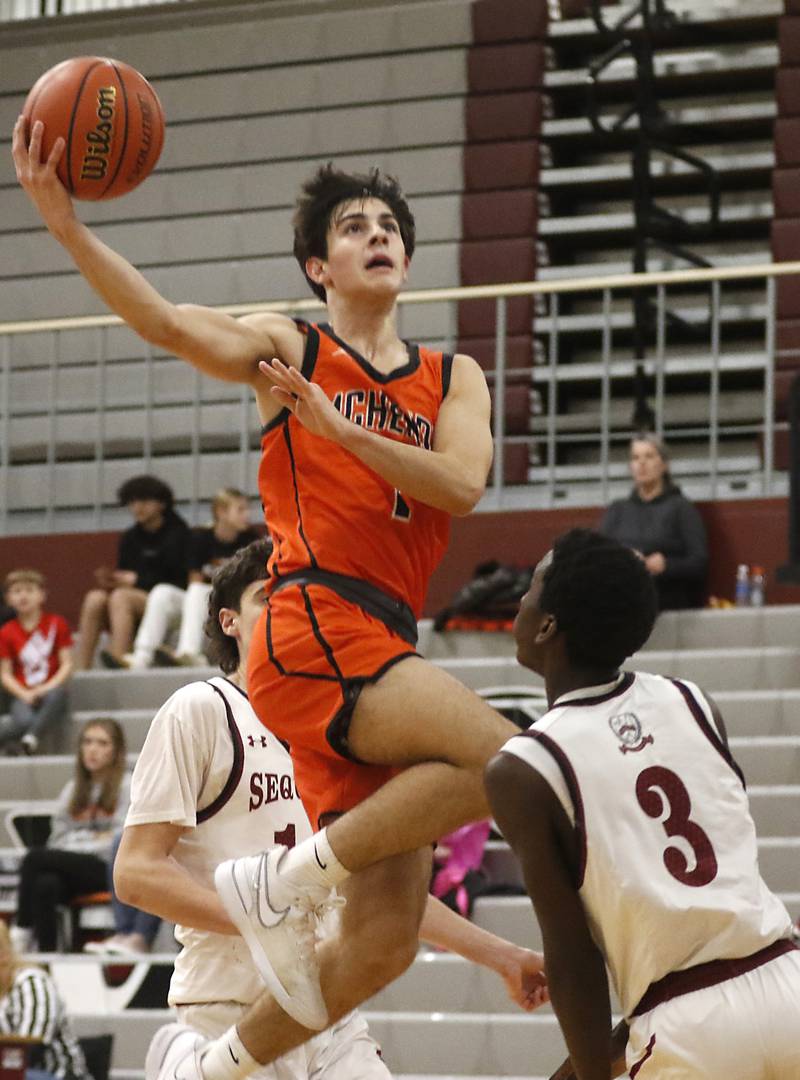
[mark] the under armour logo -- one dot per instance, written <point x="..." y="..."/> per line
<point x="252" y="741"/>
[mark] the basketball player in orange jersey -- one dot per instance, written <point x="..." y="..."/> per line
<point x="369" y="445"/>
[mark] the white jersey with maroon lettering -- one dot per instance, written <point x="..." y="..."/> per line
<point x="668" y="869"/>
<point x="231" y="784"/>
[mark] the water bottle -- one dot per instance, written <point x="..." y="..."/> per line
<point x="742" y="595"/>
<point x="757" y="582"/>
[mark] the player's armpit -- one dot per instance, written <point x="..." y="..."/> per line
<point x="228" y="348"/>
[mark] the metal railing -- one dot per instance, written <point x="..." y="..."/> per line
<point x="577" y="456"/>
<point x="13" y="10"/>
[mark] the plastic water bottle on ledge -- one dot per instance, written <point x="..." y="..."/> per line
<point x="742" y="593"/>
<point x="757" y="583"/>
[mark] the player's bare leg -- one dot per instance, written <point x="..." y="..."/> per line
<point x="377" y="941"/>
<point x="93" y="620"/>
<point x="415" y="716"/>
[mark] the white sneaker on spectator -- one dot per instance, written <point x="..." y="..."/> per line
<point x="174" y="1054"/>
<point x="29" y="743"/>
<point x="278" y="923"/>
<point x="21" y="938"/>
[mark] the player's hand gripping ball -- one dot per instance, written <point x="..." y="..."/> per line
<point x="110" y="119"/>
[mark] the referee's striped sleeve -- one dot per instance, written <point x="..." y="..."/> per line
<point x="38" y="1006"/>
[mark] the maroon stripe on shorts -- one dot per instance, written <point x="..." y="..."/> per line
<point x="704" y="975"/>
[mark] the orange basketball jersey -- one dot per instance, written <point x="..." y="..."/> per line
<point x="324" y="508"/>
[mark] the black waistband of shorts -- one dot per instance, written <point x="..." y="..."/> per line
<point x="703" y="975"/>
<point x="395" y="614"/>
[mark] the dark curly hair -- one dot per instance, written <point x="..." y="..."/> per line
<point x="145" y="487"/>
<point x="249" y="564"/>
<point x="328" y="188"/>
<point x="602" y="597"/>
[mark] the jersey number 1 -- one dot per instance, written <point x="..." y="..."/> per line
<point x="662" y="794"/>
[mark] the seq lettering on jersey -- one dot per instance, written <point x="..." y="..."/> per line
<point x="269" y="787"/>
<point x="375" y="411"/>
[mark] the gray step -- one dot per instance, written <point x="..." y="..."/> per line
<point x="760" y="712"/>
<point x="773" y="625"/>
<point x="412" y="1042"/>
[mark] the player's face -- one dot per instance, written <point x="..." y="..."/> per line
<point x="25" y="597"/>
<point x="646" y="464"/>
<point x="251" y="606"/>
<point x="97" y="749"/>
<point x="529" y="620"/>
<point x="365" y="250"/>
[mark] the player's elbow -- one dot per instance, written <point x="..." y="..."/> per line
<point x="127" y="881"/>
<point x="466" y="498"/>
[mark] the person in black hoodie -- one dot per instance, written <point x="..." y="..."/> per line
<point x="153" y="550"/>
<point x="660" y="523"/>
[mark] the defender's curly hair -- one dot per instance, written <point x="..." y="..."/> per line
<point x="602" y="597"/>
<point x="328" y="188"/>
<point x="249" y="564"/>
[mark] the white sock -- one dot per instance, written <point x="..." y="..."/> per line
<point x="227" y="1058"/>
<point x="313" y="862"/>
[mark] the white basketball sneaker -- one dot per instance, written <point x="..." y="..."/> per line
<point x="279" y="924"/>
<point x="174" y="1054"/>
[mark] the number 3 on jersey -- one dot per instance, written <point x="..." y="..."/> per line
<point x="662" y="795"/>
<point x="401" y="511"/>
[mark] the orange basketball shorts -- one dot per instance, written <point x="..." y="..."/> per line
<point x="311" y="654"/>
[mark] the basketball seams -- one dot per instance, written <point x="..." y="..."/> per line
<point x="72" y="119"/>
<point x="121" y="155"/>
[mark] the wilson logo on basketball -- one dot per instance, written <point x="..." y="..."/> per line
<point x="95" y="160"/>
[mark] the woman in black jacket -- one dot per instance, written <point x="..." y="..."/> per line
<point x="660" y="523"/>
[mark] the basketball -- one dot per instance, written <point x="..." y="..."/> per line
<point x="110" y="118"/>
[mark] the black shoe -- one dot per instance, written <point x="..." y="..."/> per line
<point x="165" y="657"/>
<point x="109" y="660"/>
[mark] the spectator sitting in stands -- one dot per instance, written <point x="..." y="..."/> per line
<point x="134" y="930"/>
<point x="91" y="809"/>
<point x="30" y="1007"/>
<point x="35" y="664"/>
<point x="209" y="548"/>
<point x="153" y="550"/>
<point x="660" y="523"/>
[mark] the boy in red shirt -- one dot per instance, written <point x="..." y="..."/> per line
<point x="35" y="663"/>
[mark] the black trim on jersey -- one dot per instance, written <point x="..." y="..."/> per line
<point x="379" y="376"/>
<point x="394" y="614"/>
<point x="447" y="372"/>
<point x="306" y="370"/>
<point x="336" y="733"/>
<point x="625" y="683"/>
<point x="574" y="788"/>
<point x="287" y="438"/>
<point x="237" y="767"/>
<point x="710" y="732"/>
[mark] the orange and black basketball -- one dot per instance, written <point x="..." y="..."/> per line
<point x="110" y="118"/>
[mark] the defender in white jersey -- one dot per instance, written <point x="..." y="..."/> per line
<point x="212" y="782"/>
<point x="631" y="821"/>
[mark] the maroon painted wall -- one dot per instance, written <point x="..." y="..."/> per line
<point x="752" y="531"/>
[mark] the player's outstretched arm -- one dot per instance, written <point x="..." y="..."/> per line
<point x="147" y="877"/>
<point x="535" y="825"/>
<point x="215" y="343"/>
<point x="452" y="477"/>
<point x="522" y="970"/>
